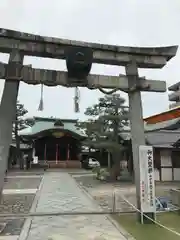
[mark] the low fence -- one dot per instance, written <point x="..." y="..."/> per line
<point x="175" y="197"/>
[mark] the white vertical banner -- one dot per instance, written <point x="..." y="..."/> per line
<point x="147" y="185"/>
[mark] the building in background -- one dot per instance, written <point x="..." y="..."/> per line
<point x="55" y="141"/>
<point x="174" y="96"/>
<point x="58" y="143"/>
<point x="163" y="133"/>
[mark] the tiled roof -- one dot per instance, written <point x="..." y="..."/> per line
<point x="170" y="124"/>
<point x="166" y="125"/>
<point x="163" y="138"/>
<point x="172" y="113"/>
<point x="156" y="134"/>
<point x="159" y="138"/>
<point x="42" y="124"/>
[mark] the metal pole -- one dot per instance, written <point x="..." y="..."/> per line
<point x="68" y="153"/>
<point x="114" y="201"/>
<point x="109" y="160"/>
<point x="45" y="153"/>
<point x="56" y="153"/>
<point x="8" y="110"/>
<point x="137" y="123"/>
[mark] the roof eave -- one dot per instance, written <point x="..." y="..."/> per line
<point x="34" y="135"/>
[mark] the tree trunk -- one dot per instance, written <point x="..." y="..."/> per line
<point x="109" y="160"/>
<point x="19" y="158"/>
<point x="9" y="160"/>
<point x="115" y="170"/>
<point x="101" y="156"/>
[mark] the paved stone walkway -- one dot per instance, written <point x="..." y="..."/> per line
<point x="60" y="193"/>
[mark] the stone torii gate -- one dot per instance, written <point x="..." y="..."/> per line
<point x="19" y="44"/>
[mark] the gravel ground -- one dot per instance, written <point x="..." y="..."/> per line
<point x="22" y="183"/>
<point x="90" y="182"/>
<point x="13" y="227"/>
<point x="16" y="203"/>
<point x="103" y="192"/>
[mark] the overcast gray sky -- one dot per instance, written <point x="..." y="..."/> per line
<point x="121" y="22"/>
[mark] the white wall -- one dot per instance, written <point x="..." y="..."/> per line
<point x="156" y="175"/>
<point x="177" y="174"/>
<point x="166" y="158"/>
<point x="166" y="173"/>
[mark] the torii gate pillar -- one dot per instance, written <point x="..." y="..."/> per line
<point x="8" y="113"/>
<point x="137" y="130"/>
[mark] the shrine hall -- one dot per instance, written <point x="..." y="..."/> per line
<point x="55" y="141"/>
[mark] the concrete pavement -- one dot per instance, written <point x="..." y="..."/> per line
<point x="60" y="192"/>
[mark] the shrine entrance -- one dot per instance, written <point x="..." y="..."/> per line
<point x="58" y="149"/>
<point x="56" y="142"/>
<point x="50" y="148"/>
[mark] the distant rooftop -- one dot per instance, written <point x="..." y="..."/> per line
<point x="42" y="124"/>
<point x="174" y="87"/>
<point x="170" y="114"/>
<point x="51" y="119"/>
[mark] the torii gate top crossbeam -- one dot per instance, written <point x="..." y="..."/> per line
<point x="40" y="46"/>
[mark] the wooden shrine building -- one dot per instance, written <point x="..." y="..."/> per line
<point x="54" y="141"/>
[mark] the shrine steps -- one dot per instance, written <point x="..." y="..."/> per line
<point x="62" y="164"/>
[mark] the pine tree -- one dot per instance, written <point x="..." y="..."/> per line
<point x="19" y="124"/>
<point x="108" y="119"/>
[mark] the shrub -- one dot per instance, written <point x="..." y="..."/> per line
<point x="103" y="174"/>
<point x="96" y="169"/>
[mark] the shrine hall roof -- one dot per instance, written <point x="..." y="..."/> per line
<point x="43" y="124"/>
